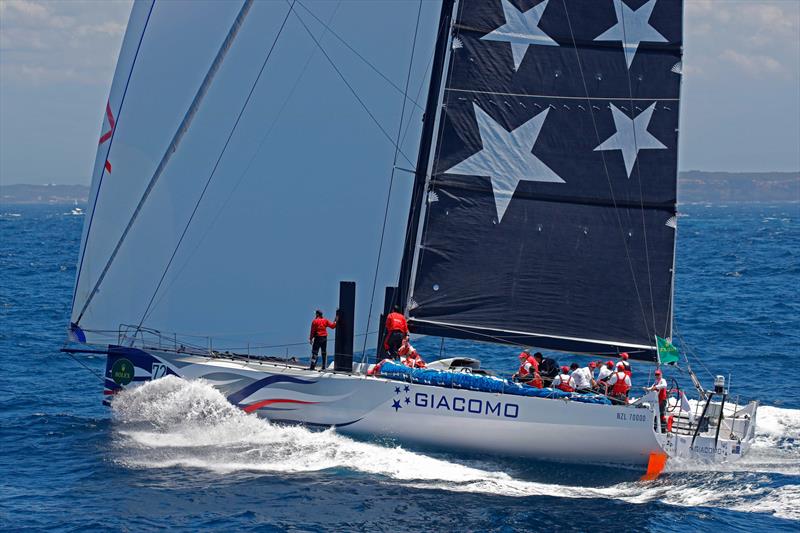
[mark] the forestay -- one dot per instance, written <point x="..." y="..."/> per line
<point x="549" y="214"/>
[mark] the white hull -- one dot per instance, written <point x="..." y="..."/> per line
<point x="500" y="424"/>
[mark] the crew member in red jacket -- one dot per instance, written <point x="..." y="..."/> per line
<point x="528" y="372"/>
<point x="396" y="331"/>
<point x="318" y="338"/>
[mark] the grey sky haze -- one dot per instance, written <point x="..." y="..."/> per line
<point x="741" y="105"/>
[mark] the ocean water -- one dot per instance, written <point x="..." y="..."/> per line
<point x="175" y="454"/>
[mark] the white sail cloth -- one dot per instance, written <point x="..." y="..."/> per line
<point x="297" y="201"/>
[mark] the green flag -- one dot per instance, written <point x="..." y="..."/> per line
<point x="667" y="353"/>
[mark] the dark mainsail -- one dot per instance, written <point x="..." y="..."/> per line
<point x="548" y="216"/>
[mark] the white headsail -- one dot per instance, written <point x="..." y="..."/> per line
<point x="290" y="209"/>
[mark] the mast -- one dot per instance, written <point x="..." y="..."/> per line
<point x="424" y="159"/>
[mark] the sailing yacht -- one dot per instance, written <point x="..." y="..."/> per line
<point x="542" y="213"/>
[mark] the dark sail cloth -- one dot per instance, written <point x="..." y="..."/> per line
<point x="551" y="193"/>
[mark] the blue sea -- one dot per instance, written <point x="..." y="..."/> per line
<point x="178" y="456"/>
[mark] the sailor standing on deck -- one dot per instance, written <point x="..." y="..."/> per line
<point x="661" y="387"/>
<point x="620" y="383"/>
<point x="396" y="331"/>
<point x="318" y="338"/>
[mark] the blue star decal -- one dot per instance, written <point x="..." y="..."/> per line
<point x="397" y="390"/>
<point x="406" y="388"/>
<point x="408" y="400"/>
<point x="396" y="405"/>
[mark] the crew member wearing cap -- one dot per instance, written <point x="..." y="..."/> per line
<point x="564" y="381"/>
<point x="528" y="372"/>
<point x="584" y="377"/>
<point x="620" y="383"/>
<point x="318" y="338"/>
<point x="606" y="369"/>
<point x="661" y="387"/>
<point x="624" y="360"/>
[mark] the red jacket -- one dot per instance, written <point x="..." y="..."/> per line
<point x="528" y="366"/>
<point x="413" y="360"/>
<point x="396" y="322"/>
<point x="318" y="326"/>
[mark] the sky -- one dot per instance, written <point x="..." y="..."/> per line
<point x="741" y="100"/>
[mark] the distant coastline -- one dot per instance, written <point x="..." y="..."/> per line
<point x="693" y="186"/>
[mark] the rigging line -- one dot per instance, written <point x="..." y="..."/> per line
<point x="108" y="151"/>
<point x="607" y="174"/>
<point x="419" y="92"/>
<point x="347" y="83"/>
<point x="689" y="350"/>
<point x="361" y="57"/>
<point x="87" y="367"/>
<point x="219" y="159"/>
<point x="639" y="175"/>
<point x="173" y="145"/>
<point x="246" y="170"/>
<point x="391" y="175"/>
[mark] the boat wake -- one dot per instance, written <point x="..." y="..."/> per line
<point x="172" y="423"/>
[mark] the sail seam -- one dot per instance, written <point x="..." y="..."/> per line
<point x="449" y="182"/>
<point x="556" y="97"/>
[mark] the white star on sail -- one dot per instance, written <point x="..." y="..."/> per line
<point x="506" y="158"/>
<point x="632" y="28"/>
<point x="520" y="30"/>
<point x="631" y="136"/>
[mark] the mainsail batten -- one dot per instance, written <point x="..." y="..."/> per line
<point x="554" y="181"/>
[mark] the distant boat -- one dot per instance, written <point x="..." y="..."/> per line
<point x="543" y="213"/>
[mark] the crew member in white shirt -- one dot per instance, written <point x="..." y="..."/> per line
<point x="584" y="377"/>
<point x="603" y="374"/>
<point x="660" y="386"/>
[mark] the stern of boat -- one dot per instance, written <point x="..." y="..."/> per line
<point x="721" y="433"/>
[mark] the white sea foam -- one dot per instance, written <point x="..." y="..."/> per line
<point x="175" y="423"/>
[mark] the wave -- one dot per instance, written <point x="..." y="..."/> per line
<point x="173" y="423"/>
